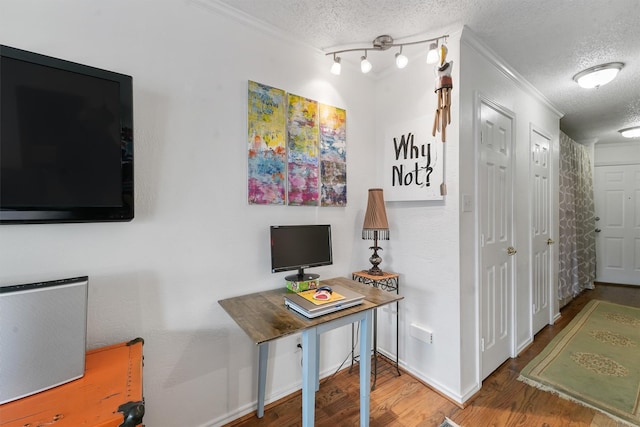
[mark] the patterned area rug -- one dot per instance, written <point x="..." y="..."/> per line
<point x="595" y="361"/>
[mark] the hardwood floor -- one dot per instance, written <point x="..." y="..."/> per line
<point x="406" y="402"/>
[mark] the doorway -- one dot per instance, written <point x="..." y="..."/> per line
<point x="617" y="226"/>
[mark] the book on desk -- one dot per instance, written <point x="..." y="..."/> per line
<point x="303" y="302"/>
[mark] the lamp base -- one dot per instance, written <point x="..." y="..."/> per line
<point x="375" y="260"/>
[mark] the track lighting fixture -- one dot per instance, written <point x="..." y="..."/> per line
<point x="336" y="67"/>
<point x="632" y="132"/>
<point x="599" y="75"/>
<point x="385" y="42"/>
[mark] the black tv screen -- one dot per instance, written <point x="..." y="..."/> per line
<point x="296" y="247"/>
<point x="66" y="141"/>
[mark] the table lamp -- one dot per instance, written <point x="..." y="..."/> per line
<point x="375" y="227"/>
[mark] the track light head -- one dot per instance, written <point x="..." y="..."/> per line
<point x="433" y="56"/>
<point x="365" y="65"/>
<point x="401" y="60"/>
<point x="336" y="68"/>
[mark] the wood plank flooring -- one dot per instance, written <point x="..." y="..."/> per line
<point x="406" y="402"/>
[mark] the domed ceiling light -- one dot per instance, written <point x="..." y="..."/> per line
<point x="599" y="75"/>
<point x="632" y="132"/>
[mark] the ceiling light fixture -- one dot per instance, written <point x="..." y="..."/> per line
<point x="385" y="42"/>
<point x="336" y="67"/>
<point x="365" y="65"/>
<point x="401" y="60"/>
<point x="599" y="75"/>
<point x="433" y="56"/>
<point x="632" y="132"/>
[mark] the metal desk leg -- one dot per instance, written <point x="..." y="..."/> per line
<point x="397" y="337"/>
<point x="374" y="352"/>
<point x="375" y="348"/>
<point x="365" y="368"/>
<point x="317" y="372"/>
<point x="353" y="347"/>
<point x="263" y="355"/>
<point x="309" y="375"/>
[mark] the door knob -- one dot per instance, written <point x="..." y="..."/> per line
<point x="598" y="230"/>
<point x="550" y="241"/>
<point x="511" y="251"/>
<point x="597" y="218"/>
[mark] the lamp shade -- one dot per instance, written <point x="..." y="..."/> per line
<point x="375" y="218"/>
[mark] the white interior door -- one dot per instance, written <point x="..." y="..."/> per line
<point x="617" y="203"/>
<point x="496" y="236"/>
<point x="541" y="241"/>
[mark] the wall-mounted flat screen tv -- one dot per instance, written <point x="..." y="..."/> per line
<point x="66" y="141"/>
<point x="296" y="247"/>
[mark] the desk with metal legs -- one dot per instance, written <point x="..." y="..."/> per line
<point x="264" y="318"/>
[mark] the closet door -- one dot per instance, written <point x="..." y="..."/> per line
<point x="542" y="242"/>
<point x="495" y="197"/>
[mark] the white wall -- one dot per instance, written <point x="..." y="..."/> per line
<point x="621" y="153"/>
<point x="424" y="241"/>
<point x="485" y="74"/>
<point x="433" y="245"/>
<point x="194" y="240"/>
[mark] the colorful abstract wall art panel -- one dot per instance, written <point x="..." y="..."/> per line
<point x="267" y="154"/>
<point x="333" y="156"/>
<point x="297" y="150"/>
<point x="302" y="151"/>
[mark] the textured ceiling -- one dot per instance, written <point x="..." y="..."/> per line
<point x="546" y="41"/>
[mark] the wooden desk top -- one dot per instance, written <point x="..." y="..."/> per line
<point x="264" y="317"/>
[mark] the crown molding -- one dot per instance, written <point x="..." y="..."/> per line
<point x="246" y="19"/>
<point x="471" y="39"/>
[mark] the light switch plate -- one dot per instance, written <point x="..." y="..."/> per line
<point x="467" y="203"/>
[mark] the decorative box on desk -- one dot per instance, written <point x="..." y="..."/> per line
<point x="109" y="394"/>
<point x="303" y="285"/>
<point x="389" y="282"/>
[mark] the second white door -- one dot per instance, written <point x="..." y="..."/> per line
<point x="541" y="240"/>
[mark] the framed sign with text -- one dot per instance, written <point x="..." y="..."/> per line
<point x="413" y="162"/>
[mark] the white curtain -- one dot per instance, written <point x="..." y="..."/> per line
<point x="577" y="242"/>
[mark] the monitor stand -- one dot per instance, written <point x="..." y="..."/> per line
<point x="301" y="276"/>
